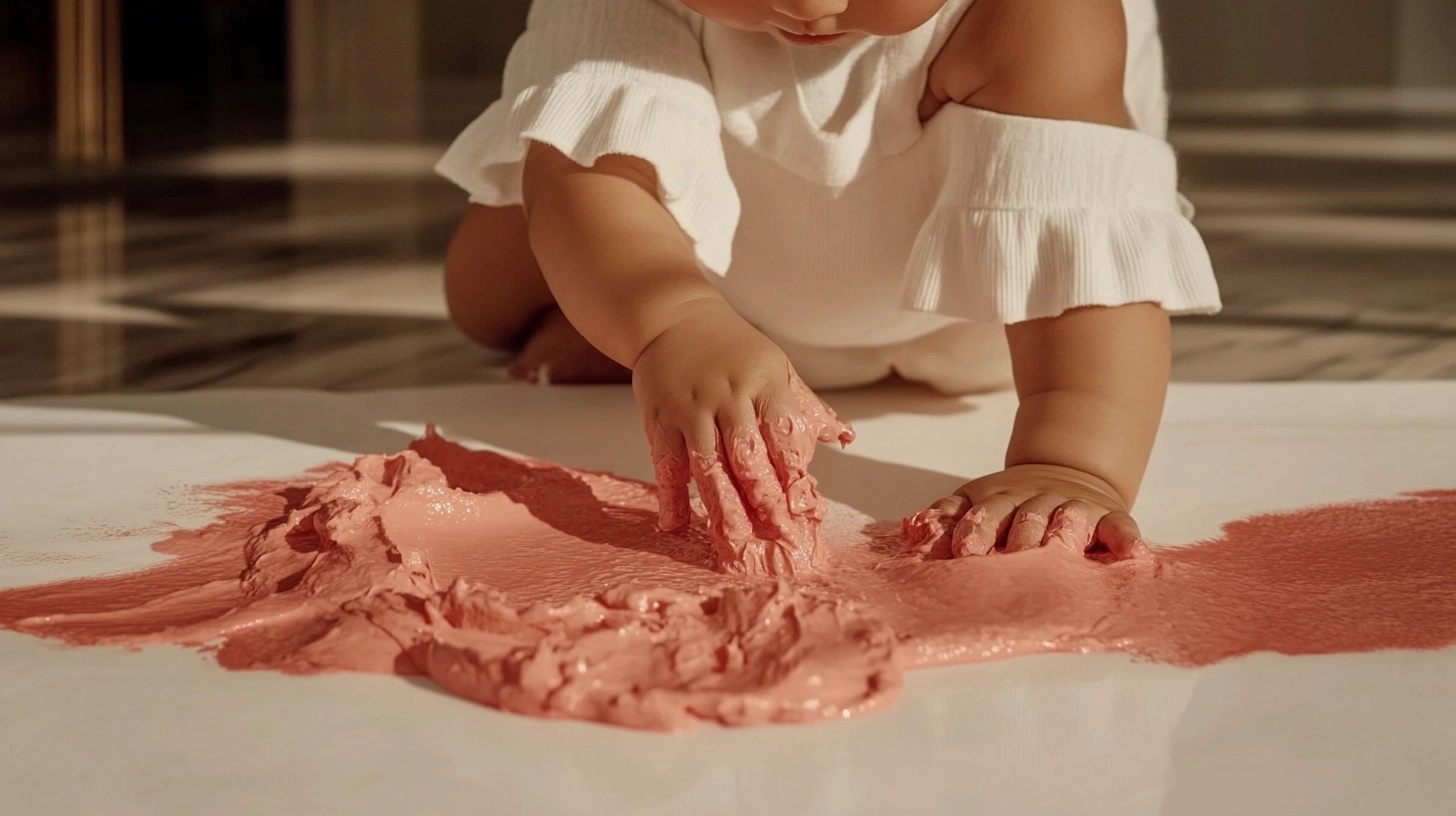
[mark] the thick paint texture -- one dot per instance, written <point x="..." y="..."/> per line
<point x="552" y="592"/>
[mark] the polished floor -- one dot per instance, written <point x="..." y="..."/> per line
<point x="318" y="266"/>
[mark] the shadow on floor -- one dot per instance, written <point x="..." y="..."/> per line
<point x="589" y="428"/>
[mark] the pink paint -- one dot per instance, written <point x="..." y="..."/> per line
<point x="552" y="592"/>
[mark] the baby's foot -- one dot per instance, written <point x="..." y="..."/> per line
<point x="557" y="353"/>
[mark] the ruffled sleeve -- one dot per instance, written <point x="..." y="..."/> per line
<point x="1036" y="217"/>
<point x="598" y="77"/>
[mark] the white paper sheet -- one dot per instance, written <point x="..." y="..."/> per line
<point x="166" y="731"/>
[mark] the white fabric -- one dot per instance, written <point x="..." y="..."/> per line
<point x="591" y="78"/>
<point x="812" y="166"/>
<point x="1018" y="237"/>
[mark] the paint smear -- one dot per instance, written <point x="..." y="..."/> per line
<point x="551" y="592"/>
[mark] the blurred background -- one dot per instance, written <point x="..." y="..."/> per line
<point x="238" y="192"/>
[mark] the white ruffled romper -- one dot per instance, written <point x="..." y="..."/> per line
<point x="859" y="239"/>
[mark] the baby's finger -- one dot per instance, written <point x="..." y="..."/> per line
<point x="1121" y="536"/>
<point x="790" y="450"/>
<point x="982" y="526"/>
<point x="670" y="466"/>
<point x="954" y="506"/>
<point x="728" y="524"/>
<point x="819" y="419"/>
<point x="927" y="529"/>
<point x="1071" y="528"/>
<point x="756" y="476"/>
<point x="1029" y="525"/>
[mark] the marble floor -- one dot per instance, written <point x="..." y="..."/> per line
<point x="318" y="266"/>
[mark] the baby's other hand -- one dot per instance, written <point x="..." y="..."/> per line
<point x="1024" y="507"/>
<point x="723" y="409"/>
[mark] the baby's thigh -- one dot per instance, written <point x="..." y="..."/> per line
<point x="962" y="358"/>
<point x="833" y="369"/>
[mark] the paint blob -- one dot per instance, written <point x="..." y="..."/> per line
<point x="551" y="592"/>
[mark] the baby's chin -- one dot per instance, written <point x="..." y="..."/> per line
<point x="841" y="39"/>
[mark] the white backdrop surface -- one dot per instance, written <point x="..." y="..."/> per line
<point x="89" y="484"/>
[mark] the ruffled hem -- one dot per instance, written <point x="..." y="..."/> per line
<point x="586" y="118"/>
<point x="1009" y="266"/>
<point x="1039" y="216"/>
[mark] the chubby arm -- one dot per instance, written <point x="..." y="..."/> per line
<point x="1092" y="381"/>
<point x="619" y="266"/>
<point x="720" y="402"/>
<point x="1091" y="384"/>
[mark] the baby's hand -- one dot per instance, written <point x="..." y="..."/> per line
<point x="1028" y="506"/>
<point x="724" y="409"/>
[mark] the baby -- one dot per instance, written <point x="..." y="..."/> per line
<point x="716" y="198"/>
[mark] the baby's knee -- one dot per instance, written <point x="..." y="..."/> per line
<point x="464" y="287"/>
<point x="493" y="289"/>
<point x="483" y="239"/>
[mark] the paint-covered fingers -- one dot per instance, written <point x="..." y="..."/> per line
<point x="704" y="377"/>
<point x="791" y="437"/>
<point x="671" y="469"/>
<point x="983" y="526"/>
<point x="757" y="478"/>
<point x="1029" y="525"/>
<point x="1119" y="533"/>
<point x="728" y="520"/>
<point x="927" y="532"/>
<point x="1071" y="526"/>
<point x="814" y="415"/>
<point x="1000" y="521"/>
<point x="790" y="450"/>
<point x="1078" y="526"/>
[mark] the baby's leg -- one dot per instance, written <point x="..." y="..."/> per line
<point x="493" y="288"/>
<point x="498" y="298"/>
<point x="962" y="358"/>
<point x="836" y="369"/>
